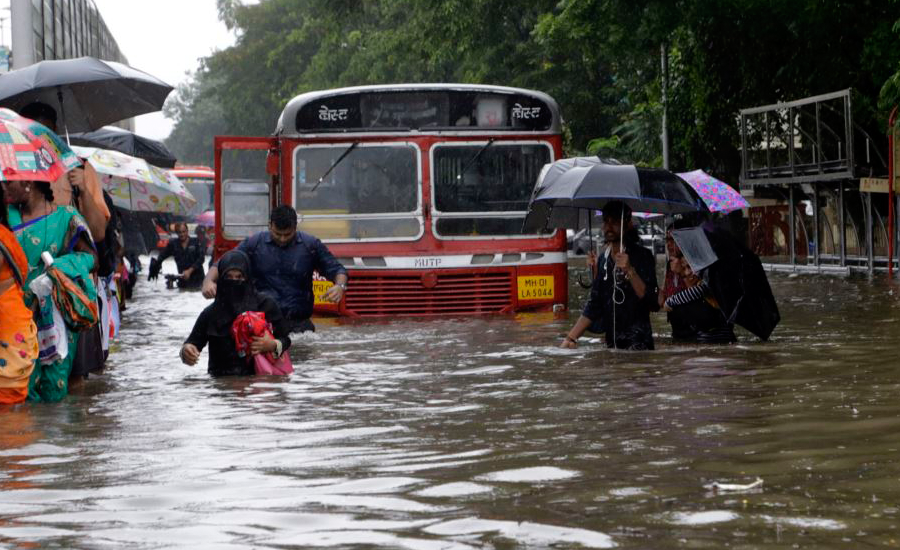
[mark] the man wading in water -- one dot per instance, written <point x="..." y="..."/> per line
<point x="188" y="254"/>
<point x="282" y="261"/>
<point x="624" y="291"/>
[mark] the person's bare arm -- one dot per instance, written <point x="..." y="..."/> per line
<point x="336" y="292"/>
<point x="209" y="282"/>
<point x="571" y="338"/>
<point x="189" y="354"/>
<point x="90" y="209"/>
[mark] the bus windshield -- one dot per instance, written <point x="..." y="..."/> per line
<point x="497" y="184"/>
<point x="202" y="189"/>
<point x="367" y="192"/>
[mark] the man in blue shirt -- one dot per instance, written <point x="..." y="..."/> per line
<point x="282" y="261"/>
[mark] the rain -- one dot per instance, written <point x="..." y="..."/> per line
<point x="485" y="322"/>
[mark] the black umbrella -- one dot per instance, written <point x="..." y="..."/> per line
<point x="89" y="92"/>
<point x="118" y="139"/>
<point x="568" y="185"/>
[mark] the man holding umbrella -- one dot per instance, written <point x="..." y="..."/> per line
<point x="624" y="291"/>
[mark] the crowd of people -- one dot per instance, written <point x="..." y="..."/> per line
<point x="64" y="279"/>
<point x="278" y="264"/>
<point x="70" y="223"/>
<point x="625" y="291"/>
<point x="271" y="272"/>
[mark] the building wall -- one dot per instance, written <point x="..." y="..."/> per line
<point x="59" y="29"/>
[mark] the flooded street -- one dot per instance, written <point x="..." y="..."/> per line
<point x="475" y="433"/>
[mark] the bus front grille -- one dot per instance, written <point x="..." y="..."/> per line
<point x="373" y="294"/>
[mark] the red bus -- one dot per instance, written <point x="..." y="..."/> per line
<point x="200" y="181"/>
<point x="419" y="190"/>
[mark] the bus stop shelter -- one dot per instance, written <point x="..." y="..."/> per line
<point x="818" y="186"/>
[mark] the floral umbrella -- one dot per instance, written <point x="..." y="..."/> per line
<point x="30" y="151"/>
<point x="136" y="185"/>
<point x="718" y="195"/>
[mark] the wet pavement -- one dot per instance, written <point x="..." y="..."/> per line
<point x="475" y="433"/>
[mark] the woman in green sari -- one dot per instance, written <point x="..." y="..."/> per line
<point x="41" y="227"/>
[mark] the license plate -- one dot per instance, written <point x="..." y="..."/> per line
<point x="536" y="287"/>
<point x="319" y="290"/>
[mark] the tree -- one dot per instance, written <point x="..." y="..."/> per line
<point x="600" y="59"/>
<point x="198" y="116"/>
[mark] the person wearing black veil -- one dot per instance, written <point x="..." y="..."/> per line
<point x="235" y="295"/>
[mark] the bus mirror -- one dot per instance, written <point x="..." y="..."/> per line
<point x="272" y="158"/>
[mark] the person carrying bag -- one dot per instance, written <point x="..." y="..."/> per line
<point x="236" y="295"/>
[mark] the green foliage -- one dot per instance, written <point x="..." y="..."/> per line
<point x="889" y="95"/>
<point x="198" y="117"/>
<point x="600" y="59"/>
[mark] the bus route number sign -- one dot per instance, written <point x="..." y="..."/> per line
<point x="319" y="290"/>
<point x="535" y="287"/>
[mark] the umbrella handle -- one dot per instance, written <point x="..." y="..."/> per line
<point x="62" y="113"/>
<point x="76" y="195"/>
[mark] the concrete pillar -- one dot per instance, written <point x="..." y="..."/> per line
<point x="870" y="230"/>
<point x="816" y="229"/>
<point x="22" y="34"/>
<point x="843" y="223"/>
<point x="792" y="234"/>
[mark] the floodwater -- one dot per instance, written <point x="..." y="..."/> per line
<point x="476" y="433"/>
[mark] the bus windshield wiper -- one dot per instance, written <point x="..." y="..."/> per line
<point x="333" y="166"/>
<point x="474" y="158"/>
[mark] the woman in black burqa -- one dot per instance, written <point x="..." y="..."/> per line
<point x="235" y="294"/>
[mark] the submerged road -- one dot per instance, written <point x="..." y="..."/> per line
<point x="475" y="433"/>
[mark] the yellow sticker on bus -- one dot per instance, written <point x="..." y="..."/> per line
<point x="535" y="287"/>
<point x="319" y="290"/>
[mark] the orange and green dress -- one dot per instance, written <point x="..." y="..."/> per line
<point x="18" y="333"/>
<point x="56" y="233"/>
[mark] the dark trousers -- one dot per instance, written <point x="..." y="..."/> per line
<point x="89" y="356"/>
<point x="301" y="325"/>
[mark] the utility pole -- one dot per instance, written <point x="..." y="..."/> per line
<point x="664" y="53"/>
<point x="3" y="20"/>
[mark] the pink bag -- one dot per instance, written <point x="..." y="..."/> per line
<point x="265" y="365"/>
<point x="248" y="325"/>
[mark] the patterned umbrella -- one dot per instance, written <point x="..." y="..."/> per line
<point x="30" y="151"/>
<point x="207" y="218"/>
<point x="136" y="185"/>
<point x="718" y="195"/>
